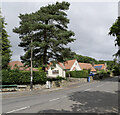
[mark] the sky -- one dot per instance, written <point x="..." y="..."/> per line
<point x="90" y="21"/>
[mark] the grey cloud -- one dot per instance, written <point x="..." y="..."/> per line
<point x="89" y="21"/>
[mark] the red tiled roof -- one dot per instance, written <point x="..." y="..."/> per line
<point x="61" y="65"/>
<point x="86" y="66"/>
<point x="93" y="69"/>
<point x="66" y="65"/>
<point x="20" y="65"/>
<point x="15" y="63"/>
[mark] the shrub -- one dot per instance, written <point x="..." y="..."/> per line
<point x="101" y="74"/>
<point x="77" y="74"/>
<point x="116" y="71"/>
<point x="39" y="77"/>
<point x="58" y="78"/>
<point x="96" y="76"/>
<point x="22" y="77"/>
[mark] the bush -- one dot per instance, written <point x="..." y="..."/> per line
<point x="116" y="71"/>
<point x="77" y="74"/>
<point x="101" y="74"/>
<point x="39" y="77"/>
<point x="22" y="77"/>
<point x="58" y="78"/>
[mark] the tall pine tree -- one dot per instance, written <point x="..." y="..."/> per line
<point x="49" y="33"/>
<point x="5" y="43"/>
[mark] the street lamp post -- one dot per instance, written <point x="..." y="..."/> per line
<point x="31" y="77"/>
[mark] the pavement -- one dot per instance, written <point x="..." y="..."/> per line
<point x="94" y="97"/>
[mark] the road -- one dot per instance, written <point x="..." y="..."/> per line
<point x="95" y="97"/>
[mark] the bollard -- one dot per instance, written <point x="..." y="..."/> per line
<point x="48" y="84"/>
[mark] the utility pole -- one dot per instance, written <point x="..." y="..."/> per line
<point x="31" y="78"/>
<point x="119" y="46"/>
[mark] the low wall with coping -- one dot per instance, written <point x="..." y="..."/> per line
<point x="54" y="84"/>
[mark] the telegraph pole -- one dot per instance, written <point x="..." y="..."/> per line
<point x="119" y="46"/>
<point x="31" y="77"/>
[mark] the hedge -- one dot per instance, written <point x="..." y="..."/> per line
<point x="58" y="78"/>
<point x="77" y="74"/>
<point x="22" y="77"/>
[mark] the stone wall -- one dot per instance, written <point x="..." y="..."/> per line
<point x="54" y="84"/>
<point x="68" y="82"/>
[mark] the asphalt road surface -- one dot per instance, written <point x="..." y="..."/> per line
<point x="93" y="97"/>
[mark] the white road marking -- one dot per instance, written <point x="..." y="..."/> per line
<point x="18" y="109"/>
<point x="110" y="92"/>
<point x="115" y="109"/>
<point x="82" y="103"/>
<point x="88" y="89"/>
<point x="54" y="99"/>
<point x="64" y="97"/>
<point x="99" y="85"/>
<point x="53" y="89"/>
<point x="5" y="93"/>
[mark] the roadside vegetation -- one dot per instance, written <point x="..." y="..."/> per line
<point x="115" y="31"/>
<point x="77" y="74"/>
<point x="102" y="74"/>
<point x="5" y="51"/>
<point x="46" y="31"/>
<point x="22" y="77"/>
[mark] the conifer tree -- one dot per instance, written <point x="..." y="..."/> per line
<point x="48" y="29"/>
<point x="5" y="43"/>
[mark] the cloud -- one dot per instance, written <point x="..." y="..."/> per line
<point x="89" y="21"/>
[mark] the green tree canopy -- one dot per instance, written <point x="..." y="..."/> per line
<point x="49" y="32"/>
<point x="5" y="52"/>
<point x="115" y="31"/>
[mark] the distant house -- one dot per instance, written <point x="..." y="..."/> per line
<point x="19" y="65"/>
<point x="71" y="65"/>
<point x="61" y="68"/>
<point x="100" y="66"/>
<point x="87" y="66"/>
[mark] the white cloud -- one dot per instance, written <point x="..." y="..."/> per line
<point x="89" y="21"/>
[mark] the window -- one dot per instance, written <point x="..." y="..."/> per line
<point x="55" y="72"/>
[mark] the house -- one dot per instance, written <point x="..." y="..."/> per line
<point x="61" y="68"/>
<point x="87" y="66"/>
<point x="20" y="66"/>
<point x="100" y="66"/>
<point x="71" y="65"/>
